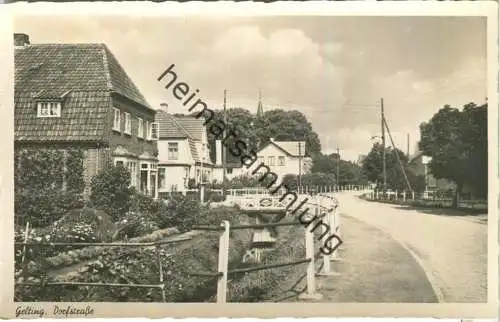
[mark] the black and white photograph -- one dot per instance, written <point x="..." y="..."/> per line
<point x="217" y="159"/>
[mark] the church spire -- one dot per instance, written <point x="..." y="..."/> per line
<point x="260" y="110"/>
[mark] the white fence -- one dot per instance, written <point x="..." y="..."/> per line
<point x="324" y="207"/>
<point x="425" y="198"/>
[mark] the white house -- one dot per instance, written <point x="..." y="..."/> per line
<point x="183" y="152"/>
<point x="282" y="158"/>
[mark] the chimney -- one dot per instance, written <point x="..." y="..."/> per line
<point x="164" y="107"/>
<point x="21" y="40"/>
<point x="218" y="152"/>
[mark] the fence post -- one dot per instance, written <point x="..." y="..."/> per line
<point x="26" y="234"/>
<point x="413" y="195"/>
<point x="335" y="223"/>
<point x="223" y="262"/>
<point x="311" y="293"/>
<point x="404" y="196"/>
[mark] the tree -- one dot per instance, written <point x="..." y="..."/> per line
<point x="287" y="126"/>
<point x="372" y="168"/>
<point x="256" y="132"/>
<point x="349" y="172"/>
<point x="457" y="142"/>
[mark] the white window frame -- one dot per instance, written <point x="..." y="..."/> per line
<point x="162" y="170"/>
<point x="270" y="160"/>
<point x="153" y="131"/>
<point x="132" y="166"/>
<point x="140" y="128"/>
<point x="281" y="160"/>
<point x="44" y="109"/>
<point x="128" y="123"/>
<point x="117" y="119"/>
<point x="169" y="157"/>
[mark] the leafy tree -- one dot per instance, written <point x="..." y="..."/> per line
<point x="349" y="172"/>
<point x="372" y="168"/>
<point x="288" y="126"/>
<point x="457" y="142"/>
<point x="111" y="192"/>
<point x="256" y="132"/>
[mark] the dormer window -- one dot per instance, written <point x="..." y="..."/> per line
<point x="49" y="109"/>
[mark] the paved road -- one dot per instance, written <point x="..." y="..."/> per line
<point x="451" y="249"/>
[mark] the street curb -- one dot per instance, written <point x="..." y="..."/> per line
<point x="432" y="281"/>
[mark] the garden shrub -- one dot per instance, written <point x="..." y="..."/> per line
<point x="43" y="207"/>
<point x="111" y="192"/>
<point x="48" y="183"/>
<point x="139" y="265"/>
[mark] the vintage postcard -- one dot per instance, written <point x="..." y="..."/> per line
<point x="249" y="160"/>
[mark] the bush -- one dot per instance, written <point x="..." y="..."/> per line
<point x="43" y="207"/>
<point x="111" y="193"/>
<point x="48" y="183"/>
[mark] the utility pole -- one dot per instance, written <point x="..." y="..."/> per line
<point x="224" y="151"/>
<point x="383" y="141"/>
<point x="300" y="165"/>
<point x="408" y="146"/>
<point x="338" y="167"/>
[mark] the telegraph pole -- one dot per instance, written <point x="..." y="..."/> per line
<point x="408" y="146"/>
<point x="383" y="141"/>
<point x="300" y="166"/>
<point x="338" y="167"/>
<point x="224" y="151"/>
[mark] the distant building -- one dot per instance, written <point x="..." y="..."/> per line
<point x="361" y="159"/>
<point x="419" y="164"/>
<point x="282" y="158"/>
<point x="183" y="152"/>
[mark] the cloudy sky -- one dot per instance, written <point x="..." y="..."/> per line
<point x="333" y="69"/>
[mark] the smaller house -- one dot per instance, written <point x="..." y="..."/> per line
<point x="183" y="152"/>
<point x="419" y="164"/>
<point x="282" y="158"/>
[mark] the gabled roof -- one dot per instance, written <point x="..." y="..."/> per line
<point x="175" y="127"/>
<point x="415" y="156"/>
<point x="291" y="148"/>
<point x="170" y="128"/>
<point x="81" y="76"/>
<point x="194" y="126"/>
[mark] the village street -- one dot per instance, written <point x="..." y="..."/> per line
<point x="451" y="249"/>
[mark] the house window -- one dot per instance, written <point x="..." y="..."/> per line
<point x="132" y="168"/>
<point x="271" y="160"/>
<point x="173" y="151"/>
<point x="262" y="161"/>
<point x="162" y="182"/>
<point x="153" y="131"/>
<point x="116" y="120"/>
<point x="49" y="109"/>
<point x="140" y="128"/>
<point x="128" y="124"/>
<point x="229" y="170"/>
<point x="119" y="163"/>
<point x="281" y="161"/>
<point x="149" y="179"/>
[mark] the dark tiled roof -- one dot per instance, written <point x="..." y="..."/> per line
<point x="169" y="127"/>
<point x="82" y="75"/>
<point x="194" y="151"/>
<point x="192" y="125"/>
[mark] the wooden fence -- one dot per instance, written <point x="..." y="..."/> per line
<point x="324" y="207"/>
